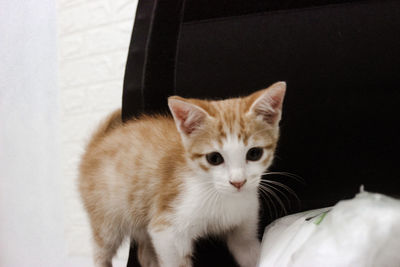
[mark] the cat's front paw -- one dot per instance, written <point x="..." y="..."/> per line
<point x="248" y="254"/>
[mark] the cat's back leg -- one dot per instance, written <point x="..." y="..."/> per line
<point x="107" y="233"/>
<point x="107" y="240"/>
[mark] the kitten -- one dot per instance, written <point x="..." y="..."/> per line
<point x="166" y="181"/>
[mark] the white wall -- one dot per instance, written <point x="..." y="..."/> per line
<point x="94" y="37"/>
<point x="44" y="120"/>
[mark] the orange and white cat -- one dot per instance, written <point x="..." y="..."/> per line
<point x="166" y="181"/>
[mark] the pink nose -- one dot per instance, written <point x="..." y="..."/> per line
<point x="238" y="185"/>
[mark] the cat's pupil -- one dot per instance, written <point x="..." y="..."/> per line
<point x="214" y="158"/>
<point x="254" y="153"/>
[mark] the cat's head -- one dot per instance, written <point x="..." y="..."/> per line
<point x="230" y="142"/>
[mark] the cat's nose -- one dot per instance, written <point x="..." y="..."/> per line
<point x="238" y="185"/>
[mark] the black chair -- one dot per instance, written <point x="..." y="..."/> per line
<point x="341" y="60"/>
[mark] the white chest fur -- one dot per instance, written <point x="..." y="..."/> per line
<point x="203" y="212"/>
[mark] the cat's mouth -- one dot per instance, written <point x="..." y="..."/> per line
<point x="231" y="190"/>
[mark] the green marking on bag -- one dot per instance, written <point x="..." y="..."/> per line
<point x="320" y="218"/>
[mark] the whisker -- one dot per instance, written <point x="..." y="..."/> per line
<point x="213" y="198"/>
<point x="280" y="192"/>
<point x="267" y="194"/>
<point x="287" y="188"/>
<point x="276" y="197"/>
<point x="208" y="195"/>
<point x="262" y="194"/>
<point x="287" y="174"/>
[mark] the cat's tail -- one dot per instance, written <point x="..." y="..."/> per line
<point x="112" y="121"/>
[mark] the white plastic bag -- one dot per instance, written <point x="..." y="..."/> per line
<point x="363" y="231"/>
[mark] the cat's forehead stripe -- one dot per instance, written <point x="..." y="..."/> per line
<point x="231" y="121"/>
<point x="221" y="130"/>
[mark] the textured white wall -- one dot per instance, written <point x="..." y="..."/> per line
<point x="93" y="39"/>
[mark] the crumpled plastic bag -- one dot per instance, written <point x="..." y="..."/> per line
<point x="360" y="232"/>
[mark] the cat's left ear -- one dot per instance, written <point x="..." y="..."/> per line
<point x="188" y="117"/>
<point x="268" y="102"/>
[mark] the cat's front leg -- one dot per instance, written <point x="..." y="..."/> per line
<point x="173" y="248"/>
<point x="244" y="245"/>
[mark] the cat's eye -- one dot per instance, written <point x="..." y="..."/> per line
<point x="214" y="158"/>
<point x="254" y="153"/>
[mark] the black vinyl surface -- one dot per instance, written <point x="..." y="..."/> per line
<point x="209" y="9"/>
<point x="342" y="65"/>
<point x="341" y="62"/>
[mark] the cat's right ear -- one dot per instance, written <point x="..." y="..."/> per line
<point x="188" y="117"/>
